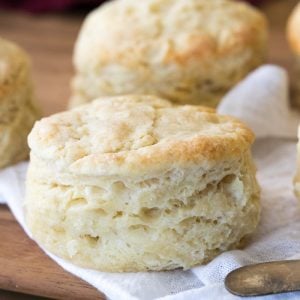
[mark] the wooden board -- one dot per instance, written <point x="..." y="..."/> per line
<point x="49" y="40"/>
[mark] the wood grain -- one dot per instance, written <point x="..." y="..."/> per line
<point x="8" y="295"/>
<point x="49" y="40"/>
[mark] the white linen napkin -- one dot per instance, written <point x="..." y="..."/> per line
<point x="261" y="100"/>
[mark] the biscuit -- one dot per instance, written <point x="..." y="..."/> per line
<point x="136" y="183"/>
<point x="17" y="110"/>
<point x="293" y="34"/>
<point x="190" y="52"/>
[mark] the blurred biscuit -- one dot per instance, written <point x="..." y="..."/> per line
<point x="185" y="51"/>
<point x="17" y="111"/>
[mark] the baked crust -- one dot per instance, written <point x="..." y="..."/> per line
<point x="135" y="135"/>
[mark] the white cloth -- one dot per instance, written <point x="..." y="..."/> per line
<point x="261" y="100"/>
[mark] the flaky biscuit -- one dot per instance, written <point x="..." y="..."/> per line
<point x="17" y="110"/>
<point x="186" y="51"/>
<point x="134" y="183"/>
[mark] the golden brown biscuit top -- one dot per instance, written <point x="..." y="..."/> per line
<point x="131" y="32"/>
<point x="136" y="135"/>
<point x="13" y="61"/>
<point x="294" y="29"/>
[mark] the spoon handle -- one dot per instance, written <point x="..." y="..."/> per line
<point x="264" y="278"/>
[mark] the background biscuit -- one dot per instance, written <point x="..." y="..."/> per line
<point x="185" y="51"/>
<point x="17" y="111"/>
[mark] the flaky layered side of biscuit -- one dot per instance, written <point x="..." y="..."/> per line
<point x="186" y="51"/>
<point x="135" y="183"/>
<point x="17" y="110"/>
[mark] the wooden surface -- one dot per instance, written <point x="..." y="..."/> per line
<point x="49" y="40"/>
<point x="8" y="295"/>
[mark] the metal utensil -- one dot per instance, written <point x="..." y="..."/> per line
<point x="265" y="278"/>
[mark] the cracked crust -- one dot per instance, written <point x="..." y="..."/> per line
<point x="135" y="135"/>
<point x="186" y="51"/>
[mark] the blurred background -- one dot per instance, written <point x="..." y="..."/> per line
<point x="48" y="30"/>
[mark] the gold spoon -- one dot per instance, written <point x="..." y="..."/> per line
<point x="265" y="278"/>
